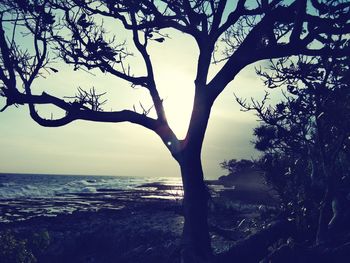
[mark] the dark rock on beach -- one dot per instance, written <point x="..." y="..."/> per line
<point x="141" y="225"/>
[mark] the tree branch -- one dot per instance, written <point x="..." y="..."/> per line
<point x="74" y="112"/>
<point x="142" y="48"/>
<point x="258" y="44"/>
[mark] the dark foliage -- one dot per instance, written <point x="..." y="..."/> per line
<point x="305" y="140"/>
<point x="234" y="166"/>
<point x="15" y="248"/>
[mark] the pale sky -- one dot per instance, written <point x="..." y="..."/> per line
<point x="125" y="149"/>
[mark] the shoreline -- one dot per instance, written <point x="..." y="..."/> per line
<point x="124" y="226"/>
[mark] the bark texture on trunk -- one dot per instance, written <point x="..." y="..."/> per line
<point x="196" y="245"/>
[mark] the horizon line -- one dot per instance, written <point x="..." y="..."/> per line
<point x="64" y="174"/>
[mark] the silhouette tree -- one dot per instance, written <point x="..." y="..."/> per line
<point x="305" y="139"/>
<point x="234" y="166"/>
<point x="251" y="31"/>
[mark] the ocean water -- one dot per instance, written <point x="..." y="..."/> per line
<point x="21" y="186"/>
<point x="24" y="196"/>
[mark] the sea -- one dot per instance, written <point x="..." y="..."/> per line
<point x="24" y="196"/>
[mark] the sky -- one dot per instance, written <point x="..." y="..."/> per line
<point x="126" y="149"/>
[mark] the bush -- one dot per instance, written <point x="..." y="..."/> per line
<point x="17" y="249"/>
<point x="13" y="250"/>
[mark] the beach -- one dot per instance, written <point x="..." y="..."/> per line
<point x="138" y="223"/>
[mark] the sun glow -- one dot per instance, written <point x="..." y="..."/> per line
<point x="174" y="64"/>
<point x="178" y="106"/>
<point x="179" y="112"/>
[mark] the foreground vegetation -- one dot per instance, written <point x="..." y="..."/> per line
<point x="305" y="145"/>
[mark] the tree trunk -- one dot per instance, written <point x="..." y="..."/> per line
<point x="196" y="245"/>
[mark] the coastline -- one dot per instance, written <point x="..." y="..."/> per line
<point x="139" y="225"/>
